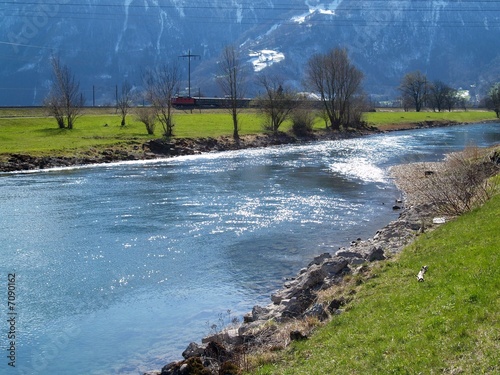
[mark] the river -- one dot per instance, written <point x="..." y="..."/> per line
<point x="119" y="266"/>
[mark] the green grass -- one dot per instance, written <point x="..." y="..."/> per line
<point x="382" y="118"/>
<point x="216" y="124"/>
<point x="449" y="324"/>
<point x="29" y="130"/>
<point x="42" y="136"/>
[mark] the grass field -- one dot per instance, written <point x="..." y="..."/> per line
<point x="384" y="118"/>
<point x="29" y="130"/>
<point x="449" y="324"/>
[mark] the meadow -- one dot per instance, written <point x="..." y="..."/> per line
<point x="30" y="130"/>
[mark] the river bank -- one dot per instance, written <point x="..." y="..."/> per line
<point x="297" y="308"/>
<point x="161" y="148"/>
<point x="119" y="220"/>
<point x="300" y="305"/>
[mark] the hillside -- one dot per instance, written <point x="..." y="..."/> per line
<point x="449" y="324"/>
<point x="107" y="43"/>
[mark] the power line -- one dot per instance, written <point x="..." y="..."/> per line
<point x="414" y="6"/>
<point x="188" y="12"/>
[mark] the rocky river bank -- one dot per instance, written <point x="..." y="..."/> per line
<point x="302" y="298"/>
<point x="298" y="300"/>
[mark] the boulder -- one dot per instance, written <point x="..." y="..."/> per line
<point x="314" y="276"/>
<point x="248" y="318"/>
<point x="317" y="311"/>
<point x="334" y="266"/>
<point x="336" y="304"/>
<point x="260" y="313"/>
<point x="171" y="368"/>
<point x="296" y="306"/>
<point x="320" y="259"/>
<point x="348" y="254"/>
<point x="193" y="350"/>
<point x="375" y="253"/>
<point x="217" y="351"/>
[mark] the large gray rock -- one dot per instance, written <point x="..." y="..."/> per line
<point x="296" y="306"/>
<point x="375" y="253"/>
<point x="334" y="266"/>
<point x="317" y="311"/>
<point x="320" y="259"/>
<point x="193" y="350"/>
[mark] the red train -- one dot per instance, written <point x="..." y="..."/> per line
<point x="184" y="102"/>
<point x="188" y="102"/>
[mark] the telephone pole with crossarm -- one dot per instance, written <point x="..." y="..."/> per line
<point x="189" y="56"/>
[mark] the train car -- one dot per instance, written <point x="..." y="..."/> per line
<point x="208" y="102"/>
<point x="184" y="102"/>
<point x="188" y="102"/>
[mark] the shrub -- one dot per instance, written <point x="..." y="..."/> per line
<point x="302" y="122"/>
<point x="462" y="184"/>
<point x="229" y="368"/>
<point x="147" y="115"/>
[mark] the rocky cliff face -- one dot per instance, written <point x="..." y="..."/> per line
<point x="106" y="43"/>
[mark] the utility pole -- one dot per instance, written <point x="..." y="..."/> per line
<point x="189" y="56"/>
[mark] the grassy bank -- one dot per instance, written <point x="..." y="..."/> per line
<point x="28" y="130"/>
<point x="449" y="324"/>
<point x="387" y="118"/>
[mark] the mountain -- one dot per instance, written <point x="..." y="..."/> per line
<point x="105" y="43"/>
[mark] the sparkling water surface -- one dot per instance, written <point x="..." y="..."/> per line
<point x="118" y="267"/>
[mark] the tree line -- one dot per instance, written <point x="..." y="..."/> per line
<point x="334" y="80"/>
<point x="418" y="92"/>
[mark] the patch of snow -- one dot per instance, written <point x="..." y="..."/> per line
<point x="179" y="6"/>
<point x="163" y="17"/>
<point x="26" y="67"/>
<point x="265" y="58"/>
<point x="326" y="9"/>
<point x="125" y="24"/>
<point x="274" y="27"/>
<point x="463" y="94"/>
<point x="299" y="19"/>
<point x="309" y="95"/>
<point x="239" y="13"/>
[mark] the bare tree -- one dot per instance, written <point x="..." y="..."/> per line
<point x="338" y="82"/>
<point x="441" y="96"/>
<point x="125" y="101"/>
<point x="64" y="101"/>
<point x="450" y="99"/>
<point x="493" y="99"/>
<point x="161" y="85"/>
<point x="276" y="103"/>
<point x="231" y="80"/>
<point x="414" y="87"/>
<point x="54" y="105"/>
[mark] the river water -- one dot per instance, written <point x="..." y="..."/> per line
<point x="118" y="267"/>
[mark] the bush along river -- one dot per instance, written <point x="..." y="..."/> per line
<point x="119" y="266"/>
